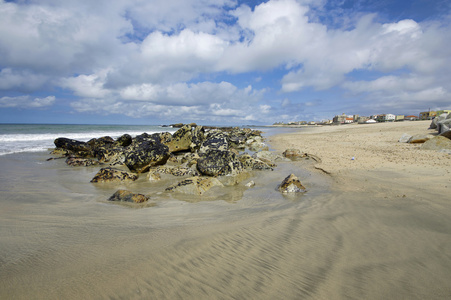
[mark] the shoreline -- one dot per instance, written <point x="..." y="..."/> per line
<point x="372" y="229"/>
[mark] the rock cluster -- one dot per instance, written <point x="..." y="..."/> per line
<point x="442" y="124"/>
<point x="208" y="156"/>
<point x="440" y="142"/>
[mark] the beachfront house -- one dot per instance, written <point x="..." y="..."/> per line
<point x="340" y="119"/>
<point x="427" y="115"/>
<point x="411" y="118"/>
<point x="386" y="118"/>
<point x="362" y="119"/>
<point x="399" y="118"/>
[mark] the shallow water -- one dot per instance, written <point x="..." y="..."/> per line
<point x="61" y="239"/>
<point x="54" y="221"/>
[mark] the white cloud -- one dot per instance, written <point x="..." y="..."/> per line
<point x="89" y="86"/>
<point x="21" y="81"/>
<point x="27" y="102"/>
<point x="171" y="57"/>
<point x="59" y="37"/>
<point x="217" y="102"/>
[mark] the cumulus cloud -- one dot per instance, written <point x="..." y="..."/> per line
<point x="161" y="58"/>
<point x="26" y="102"/>
<point x="209" y="101"/>
<point x="87" y="85"/>
<point x="22" y="81"/>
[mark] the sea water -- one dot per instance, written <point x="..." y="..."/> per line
<point x="17" y="138"/>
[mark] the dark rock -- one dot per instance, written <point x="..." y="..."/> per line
<point x="74" y="146"/>
<point x="124" y="140"/>
<point x="291" y="184"/>
<point x="146" y="153"/>
<point x="113" y="175"/>
<point x="214" y="140"/>
<point x="78" y="161"/>
<point x="145" y="137"/>
<point x="217" y="162"/>
<point x="114" y="156"/>
<point x="127" y="196"/>
<point x="104" y="148"/>
<point x="105" y="141"/>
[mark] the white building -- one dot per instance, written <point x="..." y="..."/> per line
<point x="386" y="118"/>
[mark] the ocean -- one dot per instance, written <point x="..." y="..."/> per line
<point x="17" y="138"/>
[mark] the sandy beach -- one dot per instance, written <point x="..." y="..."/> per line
<point x="356" y="155"/>
<point x="376" y="227"/>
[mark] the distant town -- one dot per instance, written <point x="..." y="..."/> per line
<point x="348" y="119"/>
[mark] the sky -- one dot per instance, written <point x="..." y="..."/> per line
<point x="221" y="62"/>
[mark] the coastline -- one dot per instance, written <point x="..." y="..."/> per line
<point x="381" y="232"/>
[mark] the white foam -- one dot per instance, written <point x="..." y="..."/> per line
<point x="17" y="143"/>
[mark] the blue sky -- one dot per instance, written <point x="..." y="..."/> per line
<point x="221" y="61"/>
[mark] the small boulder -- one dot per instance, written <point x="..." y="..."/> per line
<point x="446" y="134"/>
<point x="419" y="138"/>
<point x="437" y="143"/>
<point x="214" y="140"/>
<point x="181" y="139"/>
<point x="75" y="146"/>
<point x="405" y="138"/>
<point x="291" y="184"/>
<point x="127" y="196"/>
<point x="217" y="162"/>
<point x="113" y="175"/>
<point x="250" y="184"/>
<point x="195" y="185"/>
<point x="124" y="140"/>
<point x="292" y="154"/>
<point x="146" y="154"/>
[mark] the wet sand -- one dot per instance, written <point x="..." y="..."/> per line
<point x="373" y="229"/>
